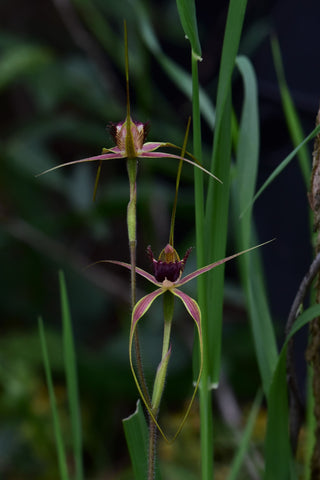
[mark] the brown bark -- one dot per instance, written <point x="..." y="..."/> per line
<point x="313" y="350"/>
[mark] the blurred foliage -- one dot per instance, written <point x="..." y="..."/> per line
<point x="61" y="82"/>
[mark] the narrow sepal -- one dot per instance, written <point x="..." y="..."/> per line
<point x="149" y="154"/>
<point x="138" y="270"/>
<point x="105" y="156"/>
<point x="202" y="270"/>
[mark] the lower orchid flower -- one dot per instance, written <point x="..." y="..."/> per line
<point x="167" y="277"/>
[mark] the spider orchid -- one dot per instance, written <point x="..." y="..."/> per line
<point x="130" y="139"/>
<point x="167" y="277"/>
<point x="130" y="144"/>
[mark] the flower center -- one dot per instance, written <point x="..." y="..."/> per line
<point x="169" y="267"/>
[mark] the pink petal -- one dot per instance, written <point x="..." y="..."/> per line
<point x="113" y="150"/>
<point x="141" y="307"/>
<point x="150" y="146"/>
<point x="192" y="307"/>
<point x="105" y="156"/>
<point x="202" y="270"/>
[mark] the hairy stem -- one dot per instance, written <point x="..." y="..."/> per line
<point x="132" y="234"/>
<point x="152" y="449"/>
<point x="168" y="306"/>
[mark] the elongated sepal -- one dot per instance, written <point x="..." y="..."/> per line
<point x="104" y="156"/>
<point x="209" y="267"/>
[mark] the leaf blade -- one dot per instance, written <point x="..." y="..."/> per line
<point x="56" y="422"/>
<point x="136" y="433"/>
<point x="187" y="13"/>
<point x="247" y="158"/>
<point x="71" y="378"/>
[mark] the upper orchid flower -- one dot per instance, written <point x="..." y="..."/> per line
<point x="130" y="139"/>
<point x="168" y="278"/>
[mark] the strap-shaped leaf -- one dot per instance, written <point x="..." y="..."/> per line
<point x="187" y="12"/>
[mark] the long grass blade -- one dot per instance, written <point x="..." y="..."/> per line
<point x="292" y="118"/>
<point x="179" y="76"/>
<point x="206" y="420"/>
<point x="216" y="227"/>
<point x="281" y="167"/>
<point x="243" y="189"/>
<point x="217" y="205"/>
<point x="187" y="12"/>
<point x="71" y="379"/>
<point x="56" y="423"/>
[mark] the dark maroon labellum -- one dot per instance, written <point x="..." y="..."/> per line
<point x="169" y="266"/>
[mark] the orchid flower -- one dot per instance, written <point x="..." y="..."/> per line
<point x="167" y="277"/>
<point x="130" y="140"/>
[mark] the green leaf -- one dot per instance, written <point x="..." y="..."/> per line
<point x="281" y="167"/>
<point x="243" y="191"/>
<point x="217" y="205"/>
<point x="56" y="423"/>
<point x="229" y="51"/>
<point x="187" y="12"/>
<point x="180" y="77"/>
<point x="136" y="433"/>
<point x="216" y="227"/>
<point x="292" y="119"/>
<point x="71" y="378"/>
<point x="248" y="144"/>
<point x="278" y="466"/>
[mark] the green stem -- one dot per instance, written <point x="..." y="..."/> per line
<point x="206" y="420"/>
